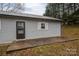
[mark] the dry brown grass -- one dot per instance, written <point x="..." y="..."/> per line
<point x="3" y="49"/>
<point x="71" y="31"/>
<point x="57" y="49"/>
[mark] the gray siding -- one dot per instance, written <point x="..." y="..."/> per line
<point x="54" y="30"/>
<point x="8" y="29"/>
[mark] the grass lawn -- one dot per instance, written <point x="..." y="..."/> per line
<point x="71" y="31"/>
<point x="65" y="48"/>
<point x="3" y="48"/>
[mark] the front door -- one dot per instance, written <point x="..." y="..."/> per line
<point x="20" y="30"/>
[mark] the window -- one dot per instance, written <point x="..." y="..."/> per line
<point x="20" y="24"/>
<point x="20" y="32"/>
<point x="42" y="26"/>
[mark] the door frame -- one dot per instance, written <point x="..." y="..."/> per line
<point x="18" y="29"/>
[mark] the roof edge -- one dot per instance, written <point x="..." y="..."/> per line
<point x="28" y="15"/>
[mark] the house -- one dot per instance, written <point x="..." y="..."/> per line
<point x="20" y="26"/>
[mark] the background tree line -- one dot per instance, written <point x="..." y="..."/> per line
<point x="68" y="12"/>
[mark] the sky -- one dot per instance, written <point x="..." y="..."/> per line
<point x="35" y="8"/>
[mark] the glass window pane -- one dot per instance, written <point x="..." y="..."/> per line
<point x="20" y="25"/>
<point x="42" y="25"/>
<point x="20" y="31"/>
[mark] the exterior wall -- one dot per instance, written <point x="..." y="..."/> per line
<point x="8" y="29"/>
<point x="54" y="29"/>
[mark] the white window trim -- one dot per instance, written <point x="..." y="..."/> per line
<point x="46" y="26"/>
<point x="39" y="26"/>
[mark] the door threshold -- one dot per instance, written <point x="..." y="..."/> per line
<point x="20" y="39"/>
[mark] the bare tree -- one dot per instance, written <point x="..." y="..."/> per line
<point x="12" y="7"/>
